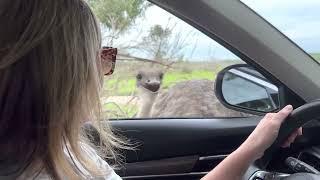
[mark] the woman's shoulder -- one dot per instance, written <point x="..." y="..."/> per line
<point x="111" y="175"/>
<point x="93" y="155"/>
<point x="102" y="164"/>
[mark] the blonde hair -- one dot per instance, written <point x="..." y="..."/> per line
<point x="50" y="78"/>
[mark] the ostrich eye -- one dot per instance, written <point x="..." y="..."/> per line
<point x="161" y="76"/>
<point x="139" y="77"/>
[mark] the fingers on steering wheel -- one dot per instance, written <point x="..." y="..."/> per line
<point x="292" y="137"/>
<point x="283" y="113"/>
<point x="288" y="142"/>
<point x="300" y="131"/>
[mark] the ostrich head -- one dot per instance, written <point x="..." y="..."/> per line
<point x="149" y="80"/>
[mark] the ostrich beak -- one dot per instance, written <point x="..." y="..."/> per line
<point x="153" y="87"/>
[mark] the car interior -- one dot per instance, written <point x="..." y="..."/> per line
<point x="188" y="148"/>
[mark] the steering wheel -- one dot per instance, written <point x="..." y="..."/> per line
<point x="296" y="119"/>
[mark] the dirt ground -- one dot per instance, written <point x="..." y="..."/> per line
<point x="121" y="100"/>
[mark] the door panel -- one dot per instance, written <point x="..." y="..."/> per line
<point x="186" y="148"/>
<point x="180" y="146"/>
<point x="167" y="138"/>
<point x="184" y="176"/>
<point x="164" y="166"/>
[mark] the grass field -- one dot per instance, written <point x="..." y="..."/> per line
<point x="316" y="56"/>
<point x="118" y="111"/>
<point x="122" y="82"/>
<point x="128" y="84"/>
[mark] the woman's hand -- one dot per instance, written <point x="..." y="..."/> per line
<point x="267" y="131"/>
<point x="237" y="163"/>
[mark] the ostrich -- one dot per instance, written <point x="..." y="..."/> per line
<point x="193" y="98"/>
<point x="148" y="84"/>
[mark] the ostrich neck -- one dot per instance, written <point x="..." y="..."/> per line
<point x="146" y="99"/>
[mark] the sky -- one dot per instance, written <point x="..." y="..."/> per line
<point x="299" y="20"/>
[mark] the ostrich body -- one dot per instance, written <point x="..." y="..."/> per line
<point x="193" y="98"/>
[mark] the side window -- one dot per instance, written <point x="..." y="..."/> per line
<point x="165" y="67"/>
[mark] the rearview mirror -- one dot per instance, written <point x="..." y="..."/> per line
<point x="243" y="88"/>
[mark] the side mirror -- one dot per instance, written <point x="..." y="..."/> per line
<point x="242" y="88"/>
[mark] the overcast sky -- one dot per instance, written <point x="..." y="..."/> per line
<point x="299" y="20"/>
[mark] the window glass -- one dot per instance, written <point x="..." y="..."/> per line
<point x="299" y="20"/>
<point x="165" y="67"/>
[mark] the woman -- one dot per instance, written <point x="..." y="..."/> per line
<point x="50" y="77"/>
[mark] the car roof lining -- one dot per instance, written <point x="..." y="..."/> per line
<point x="265" y="46"/>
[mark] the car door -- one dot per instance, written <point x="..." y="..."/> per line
<point x="187" y="147"/>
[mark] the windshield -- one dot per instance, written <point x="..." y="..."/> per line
<point x="298" y="20"/>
